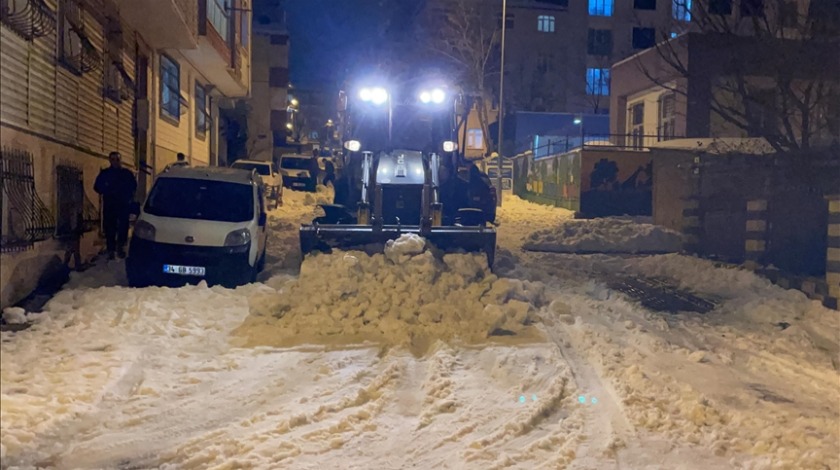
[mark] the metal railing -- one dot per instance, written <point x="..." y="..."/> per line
<point x="553" y="145"/>
<point x="76" y="213"/>
<point x="25" y="218"/>
<point x="219" y="17"/>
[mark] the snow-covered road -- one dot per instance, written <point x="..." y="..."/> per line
<point x="197" y="377"/>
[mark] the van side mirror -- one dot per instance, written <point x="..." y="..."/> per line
<point x="263" y="219"/>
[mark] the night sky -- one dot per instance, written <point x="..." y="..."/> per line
<point x="331" y="37"/>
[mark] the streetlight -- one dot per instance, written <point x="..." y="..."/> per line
<point x="501" y="108"/>
<point x="579" y="122"/>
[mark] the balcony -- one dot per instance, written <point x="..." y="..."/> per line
<point x="219" y="34"/>
<point x="164" y="24"/>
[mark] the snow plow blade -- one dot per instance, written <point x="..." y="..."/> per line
<point x="324" y="238"/>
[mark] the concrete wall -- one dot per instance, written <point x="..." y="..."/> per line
<point x="21" y="271"/>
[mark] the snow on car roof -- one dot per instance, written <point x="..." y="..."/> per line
<point x="214" y="173"/>
<point x="258" y="162"/>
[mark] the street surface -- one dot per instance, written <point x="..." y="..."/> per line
<point x="324" y="368"/>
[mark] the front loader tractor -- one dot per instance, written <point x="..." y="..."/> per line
<point x="403" y="173"/>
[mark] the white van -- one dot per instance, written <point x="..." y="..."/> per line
<point x="297" y="172"/>
<point x="200" y="224"/>
<point x="272" y="179"/>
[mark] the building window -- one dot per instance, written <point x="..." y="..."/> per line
<point x="720" y="7"/>
<point x="170" y="88"/>
<point x="637" y="124"/>
<point x="598" y="82"/>
<point x="644" y="4"/>
<point x="601" y="7"/>
<point x="667" y="116"/>
<point x="545" y="63"/>
<point x="644" y="38"/>
<point x="70" y="41"/>
<point x="599" y="42"/>
<point x="508" y="21"/>
<point x="752" y="8"/>
<point x="201" y="119"/>
<point x="475" y="139"/>
<point x="681" y="10"/>
<point x="761" y="113"/>
<point x="218" y="17"/>
<point x="545" y="24"/>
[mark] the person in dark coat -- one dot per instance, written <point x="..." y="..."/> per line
<point x="117" y="186"/>
<point x="329" y="173"/>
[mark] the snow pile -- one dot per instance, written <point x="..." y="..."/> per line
<point x="14" y="315"/>
<point x="304" y="200"/>
<point x="405" y="296"/>
<point x="609" y="235"/>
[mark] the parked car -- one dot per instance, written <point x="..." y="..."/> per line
<point x="272" y="179"/>
<point x="200" y="224"/>
<point x="297" y="171"/>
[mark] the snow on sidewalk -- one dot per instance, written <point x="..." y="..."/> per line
<point x="607" y="235"/>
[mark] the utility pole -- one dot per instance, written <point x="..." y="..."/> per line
<point x="501" y="109"/>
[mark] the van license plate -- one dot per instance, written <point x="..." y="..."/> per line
<point x="298" y="185"/>
<point x="184" y="270"/>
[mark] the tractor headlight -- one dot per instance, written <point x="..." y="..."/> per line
<point x="353" y="145"/>
<point x="375" y="95"/>
<point x="434" y="95"/>
<point x="449" y="146"/>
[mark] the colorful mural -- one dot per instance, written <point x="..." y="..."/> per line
<point x="595" y="182"/>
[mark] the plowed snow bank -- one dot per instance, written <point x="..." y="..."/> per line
<point x="405" y="296"/>
<point x="610" y="235"/>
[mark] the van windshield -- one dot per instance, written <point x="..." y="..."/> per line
<point x="263" y="169"/>
<point x="295" y="163"/>
<point x="186" y="198"/>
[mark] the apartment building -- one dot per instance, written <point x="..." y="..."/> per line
<point x="559" y="52"/>
<point x="721" y="80"/>
<point x="267" y="110"/>
<point x="82" y="78"/>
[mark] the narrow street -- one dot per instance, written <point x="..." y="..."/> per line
<point x="386" y="362"/>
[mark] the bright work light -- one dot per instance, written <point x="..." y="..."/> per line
<point x="375" y="95"/>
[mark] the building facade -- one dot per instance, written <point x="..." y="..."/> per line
<point x="559" y="52"/>
<point x="269" y="103"/>
<point x="82" y="78"/>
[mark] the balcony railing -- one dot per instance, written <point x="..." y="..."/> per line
<point x="219" y="17"/>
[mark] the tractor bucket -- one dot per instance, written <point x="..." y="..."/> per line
<point x="324" y="238"/>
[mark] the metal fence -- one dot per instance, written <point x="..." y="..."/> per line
<point x="24" y="219"/>
<point x="76" y="214"/>
<point x="553" y="145"/>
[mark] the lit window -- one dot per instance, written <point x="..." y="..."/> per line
<point x="170" y="88"/>
<point x="545" y="24"/>
<point x="598" y="82"/>
<point x="601" y="7"/>
<point x="475" y="139"/>
<point x="681" y="10"/>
